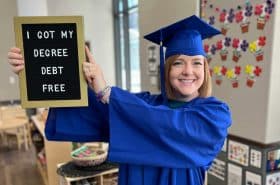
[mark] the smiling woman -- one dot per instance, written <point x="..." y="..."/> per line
<point x="176" y="147"/>
<point x="187" y="77"/>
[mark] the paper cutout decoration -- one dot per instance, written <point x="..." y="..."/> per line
<point x="242" y="17"/>
<point x="210" y="51"/>
<point x="219" y="72"/>
<point x="223" y="45"/>
<point x="263" y="11"/>
<point x="232" y="75"/>
<point x="238" y="45"/>
<point x="225" y="19"/>
<point x="256" y="47"/>
<point x="252" y="72"/>
<point x="211" y="20"/>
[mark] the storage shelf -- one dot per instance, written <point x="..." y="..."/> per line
<point x="103" y="178"/>
<point x="43" y="171"/>
<point x="55" y="152"/>
<point x="39" y="123"/>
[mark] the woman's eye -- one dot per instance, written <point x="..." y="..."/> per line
<point x="197" y="62"/>
<point x="177" y="62"/>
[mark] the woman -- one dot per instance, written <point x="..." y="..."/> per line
<point x="166" y="139"/>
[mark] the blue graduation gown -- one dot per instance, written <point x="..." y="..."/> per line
<point x="153" y="143"/>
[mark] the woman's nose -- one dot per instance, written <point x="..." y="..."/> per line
<point x="187" y="69"/>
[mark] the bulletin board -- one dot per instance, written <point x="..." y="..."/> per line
<point x="53" y="51"/>
<point x="238" y="56"/>
<point x="240" y="59"/>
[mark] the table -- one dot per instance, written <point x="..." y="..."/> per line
<point x="16" y="123"/>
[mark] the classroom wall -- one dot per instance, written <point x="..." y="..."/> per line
<point x="32" y="7"/>
<point x="8" y="89"/>
<point x="99" y="29"/>
<point x="273" y="118"/>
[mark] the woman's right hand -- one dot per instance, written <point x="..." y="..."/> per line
<point x="15" y="59"/>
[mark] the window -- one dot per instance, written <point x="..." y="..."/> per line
<point x="127" y="44"/>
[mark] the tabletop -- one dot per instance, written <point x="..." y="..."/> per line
<point x="13" y="123"/>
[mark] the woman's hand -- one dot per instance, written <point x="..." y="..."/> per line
<point x="15" y="59"/>
<point x="93" y="73"/>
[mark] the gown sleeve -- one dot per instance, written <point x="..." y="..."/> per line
<point x="79" y="124"/>
<point x="151" y="134"/>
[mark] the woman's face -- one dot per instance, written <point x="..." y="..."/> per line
<point x="186" y="76"/>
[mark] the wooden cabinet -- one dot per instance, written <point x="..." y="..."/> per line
<point x="54" y="153"/>
<point x="107" y="177"/>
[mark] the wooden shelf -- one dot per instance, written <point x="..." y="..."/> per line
<point x="39" y="123"/>
<point x="56" y="152"/>
<point x="101" y="178"/>
<point x="43" y="171"/>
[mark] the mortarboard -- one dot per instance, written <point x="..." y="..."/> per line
<point x="183" y="37"/>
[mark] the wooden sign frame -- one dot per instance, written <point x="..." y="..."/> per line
<point x="81" y="99"/>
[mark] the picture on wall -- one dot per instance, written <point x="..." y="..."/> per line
<point x="273" y="160"/>
<point x="234" y="174"/>
<point x="255" y="158"/>
<point x="238" y="152"/>
<point x="218" y="169"/>
<point x="273" y="179"/>
<point x="253" y="179"/>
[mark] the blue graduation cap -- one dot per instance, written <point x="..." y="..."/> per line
<point x="183" y="37"/>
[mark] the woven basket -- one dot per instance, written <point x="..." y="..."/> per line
<point x="88" y="155"/>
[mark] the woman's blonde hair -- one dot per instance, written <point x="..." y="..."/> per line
<point x="204" y="91"/>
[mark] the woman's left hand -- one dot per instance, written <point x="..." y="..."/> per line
<point x="93" y="73"/>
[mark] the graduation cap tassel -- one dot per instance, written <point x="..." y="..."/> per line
<point x="162" y="80"/>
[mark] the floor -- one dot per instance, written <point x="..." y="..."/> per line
<point x="18" y="167"/>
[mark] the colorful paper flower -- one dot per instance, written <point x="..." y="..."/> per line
<point x="230" y="74"/>
<point x="257" y="71"/>
<point x="230" y="15"/>
<point x="218" y="73"/>
<point x="248" y="10"/>
<point x="227" y="41"/>
<point x="213" y="49"/>
<point x="237" y="70"/>
<point x="252" y="72"/>
<point x="219" y="44"/>
<point x="217" y="70"/>
<point x="244" y="45"/>
<point x="206" y="48"/>
<point x="239" y="16"/>
<point x="259" y="9"/>
<point x="256" y="48"/>
<point x="211" y="20"/>
<point x="261" y="41"/>
<point x="249" y="69"/>
<point x="224" y="70"/>
<point x="235" y="43"/>
<point x="253" y="46"/>
<point x="222" y="17"/>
